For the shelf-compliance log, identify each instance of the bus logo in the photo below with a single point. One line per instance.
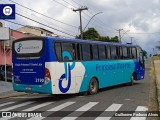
(67, 74)
(19, 47)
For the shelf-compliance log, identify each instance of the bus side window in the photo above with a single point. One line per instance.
(86, 52)
(113, 52)
(58, 51)
(125, 55)
(101, 51)
(129, 52)
(95, 52)
(68, 50)
(108, 51)
(79, 52)
(120, 53)
(134, 53)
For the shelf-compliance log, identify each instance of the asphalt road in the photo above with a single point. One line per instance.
(118, 98)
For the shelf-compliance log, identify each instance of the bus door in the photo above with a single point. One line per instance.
(142, 64)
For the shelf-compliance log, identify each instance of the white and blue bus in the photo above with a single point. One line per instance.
(63, 66)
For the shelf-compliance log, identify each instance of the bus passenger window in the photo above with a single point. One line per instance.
(125, 55)
(120, 53)
(102, 52)
(58, 51)
(79, 52)
(86, 52)
(113, 52)
(68, 52)
(129, 51)
(134, 53)
(108, 52)
(95, 52)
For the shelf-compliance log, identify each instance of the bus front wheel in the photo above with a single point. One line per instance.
(93, 86)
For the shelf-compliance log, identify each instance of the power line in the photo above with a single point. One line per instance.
(69, 3)
(45, 25)
(119, 30)
(98, 21)
(80, 10)
(145, 33)
(48, 22)
(43, 14)
(23, 25)
(77, 3)
(67, 7)
(62, 4)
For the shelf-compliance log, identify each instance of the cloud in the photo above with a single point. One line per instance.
(140, 16)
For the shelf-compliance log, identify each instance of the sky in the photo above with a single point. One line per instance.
(138, 18)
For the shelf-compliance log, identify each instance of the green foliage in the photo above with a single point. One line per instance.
(144, 52)
(115, 39)
(92, 34)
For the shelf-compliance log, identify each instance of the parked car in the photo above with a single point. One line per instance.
(8, 72)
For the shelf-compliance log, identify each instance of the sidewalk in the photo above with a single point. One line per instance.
(157, 75)
(6, 90)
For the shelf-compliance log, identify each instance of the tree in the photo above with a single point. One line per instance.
(91, 34)
(104, 38)
(114, 39)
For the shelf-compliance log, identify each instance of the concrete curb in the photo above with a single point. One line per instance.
(157, 73)
(12, 94)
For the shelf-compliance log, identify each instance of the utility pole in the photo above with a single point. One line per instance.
(131, 39)
(80, 10)
(119, 30)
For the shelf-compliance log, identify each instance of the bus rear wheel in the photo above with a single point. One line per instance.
(93, 86)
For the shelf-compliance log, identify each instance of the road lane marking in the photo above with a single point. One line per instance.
(87, 106)
(60, 107)
(16, 106)
(3, 104)
(66, 104)
(38, 106)
(113, 107)
(83, 109)
(141, 109)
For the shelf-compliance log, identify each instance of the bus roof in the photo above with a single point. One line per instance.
(91, 41)
(77, 41)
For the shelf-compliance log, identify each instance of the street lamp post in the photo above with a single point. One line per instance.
(91, 19)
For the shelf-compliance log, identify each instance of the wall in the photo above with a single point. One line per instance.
(16, 35)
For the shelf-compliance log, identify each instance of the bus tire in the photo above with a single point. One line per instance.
(93, 86)
(131, 83)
